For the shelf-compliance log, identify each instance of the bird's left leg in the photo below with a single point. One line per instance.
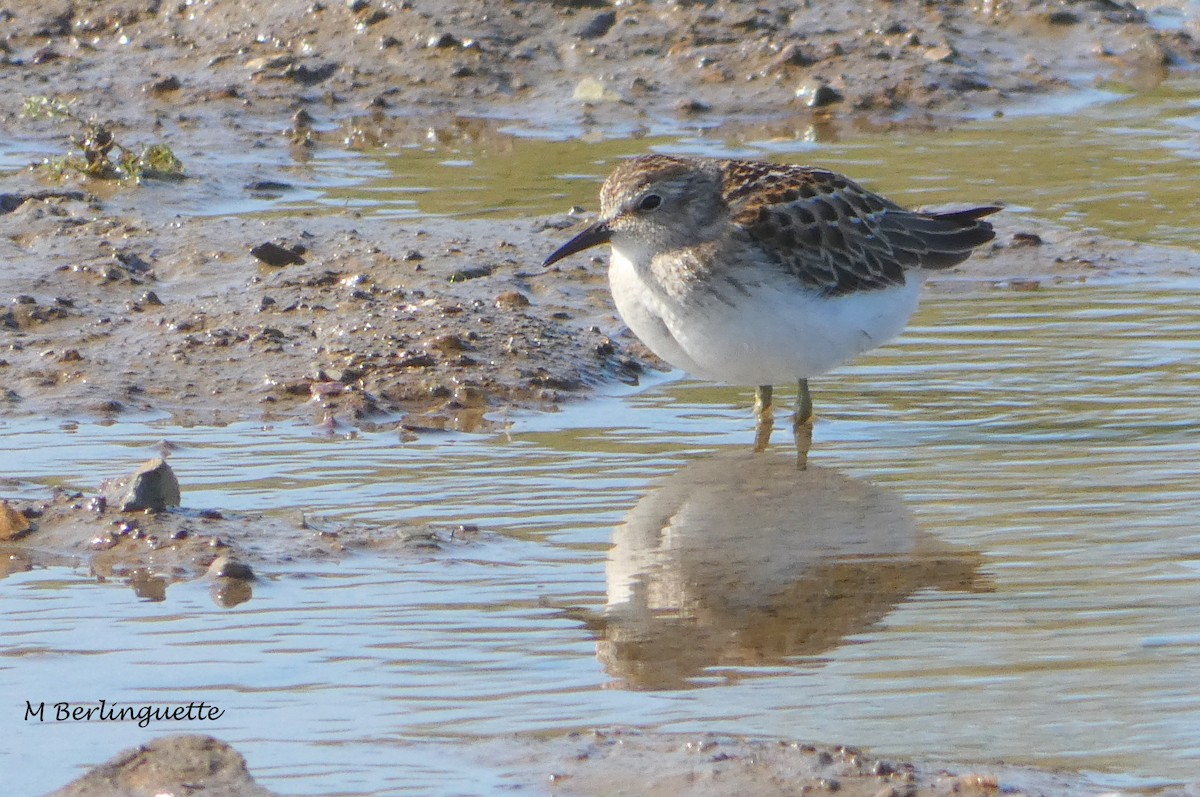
(802, 424)
(804, 410)
(765, 417)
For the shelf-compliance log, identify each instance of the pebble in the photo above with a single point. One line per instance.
(818, 95)
(12, 522)
(1062, 18)
(692, 106)
(471, 272)
(512, 300)
(225, 566)
(443, 40)
(447, 343)
(598, 25)
(163, 85)
(797, 55)
(275, 255)
(942, 54)
(592, 90)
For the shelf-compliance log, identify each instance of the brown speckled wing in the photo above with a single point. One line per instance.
(836, 237)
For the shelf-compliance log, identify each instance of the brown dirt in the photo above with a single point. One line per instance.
(119, 308)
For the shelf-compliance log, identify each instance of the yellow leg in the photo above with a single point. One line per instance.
(765, 415)
(762, 399)
(804, 410)
(802, 425)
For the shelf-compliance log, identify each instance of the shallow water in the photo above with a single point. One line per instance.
(995, 554)
(1124, 165)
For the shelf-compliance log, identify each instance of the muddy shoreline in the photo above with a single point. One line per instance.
(126, 300)
(119, 304)
(421, 327)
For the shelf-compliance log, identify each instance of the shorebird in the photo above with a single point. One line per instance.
(754, 273)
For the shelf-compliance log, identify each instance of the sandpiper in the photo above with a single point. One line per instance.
(755, 273)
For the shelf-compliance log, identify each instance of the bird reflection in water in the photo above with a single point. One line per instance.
(744, 561)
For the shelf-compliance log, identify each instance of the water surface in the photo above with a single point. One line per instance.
(994, 556)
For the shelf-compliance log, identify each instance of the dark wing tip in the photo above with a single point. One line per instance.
(949, 238)
(968, 215)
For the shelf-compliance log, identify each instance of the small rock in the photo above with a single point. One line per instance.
(692, 106)
(268, 187)
(302, 119)
(310, 75)
(447, 343)
(598, 25)
(819, 95)
(466, 396)
(443, 40)
(327, 388)
(512, 300)
(225, 566)
(797, 55)
(153, 486)
(471, 272)
(150, 297)
(106, 407)
(275, 255)
(832, 50)
(12, 522)
(163, 85)
(272, 62)
(592, 90)
(416, 360)
(45, 55)
(1020, 239)
(942, 54)
(375, 17)
(1062, 18)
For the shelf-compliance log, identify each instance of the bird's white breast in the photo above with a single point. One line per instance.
(772, 333)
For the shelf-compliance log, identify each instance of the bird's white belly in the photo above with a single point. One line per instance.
(766, 336)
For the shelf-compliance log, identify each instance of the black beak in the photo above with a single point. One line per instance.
(597, 234)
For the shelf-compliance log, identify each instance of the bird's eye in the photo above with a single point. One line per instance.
(650, 202)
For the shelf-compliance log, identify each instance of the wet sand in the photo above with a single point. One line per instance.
(120, 313)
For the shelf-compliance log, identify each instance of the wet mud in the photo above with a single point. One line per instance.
(427, 327)
(116, 306)
(614, 762)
